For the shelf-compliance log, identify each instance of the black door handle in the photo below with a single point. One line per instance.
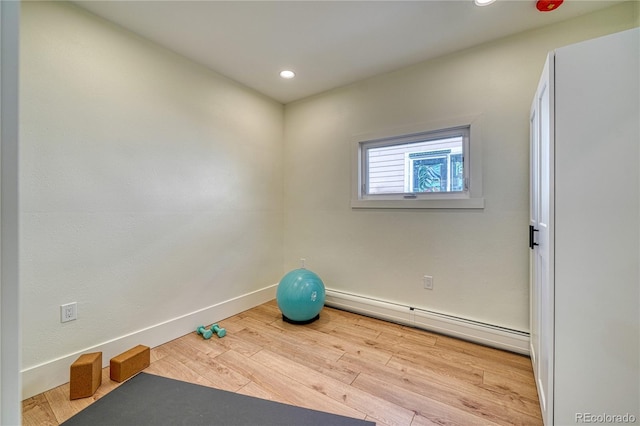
(532, 242)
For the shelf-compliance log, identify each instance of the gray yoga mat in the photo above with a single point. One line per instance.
(147, 399)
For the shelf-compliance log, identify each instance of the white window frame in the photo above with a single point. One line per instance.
(470, 198)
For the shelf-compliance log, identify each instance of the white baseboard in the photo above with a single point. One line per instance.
(478, 332)
(51, 374)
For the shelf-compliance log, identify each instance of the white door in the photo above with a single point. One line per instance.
(541, 240)
(534, 188)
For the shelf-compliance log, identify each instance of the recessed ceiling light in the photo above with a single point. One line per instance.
(483, 2)
(287, 74)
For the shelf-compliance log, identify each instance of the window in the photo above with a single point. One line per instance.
(429, 169)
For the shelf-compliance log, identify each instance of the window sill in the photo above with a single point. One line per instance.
(466, 203)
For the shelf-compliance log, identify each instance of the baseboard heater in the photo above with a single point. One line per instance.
(475, 331)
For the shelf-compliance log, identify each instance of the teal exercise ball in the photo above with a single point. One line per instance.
(300, 296)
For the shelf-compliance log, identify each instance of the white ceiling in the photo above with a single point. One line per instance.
(327, 43)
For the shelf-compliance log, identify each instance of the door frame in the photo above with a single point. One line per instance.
(10, 343)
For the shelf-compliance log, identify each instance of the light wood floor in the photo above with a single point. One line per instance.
(343, 363)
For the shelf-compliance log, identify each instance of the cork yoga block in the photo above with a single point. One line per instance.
(128, 363)
(85, 375)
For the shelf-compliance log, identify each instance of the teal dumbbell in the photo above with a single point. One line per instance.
(221, 332)
(205, 333)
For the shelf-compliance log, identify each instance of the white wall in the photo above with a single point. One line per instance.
(597, 276)
(478, 258)
(151, 188)
(10, 407)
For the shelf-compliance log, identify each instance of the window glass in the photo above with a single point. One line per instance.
(433, 163)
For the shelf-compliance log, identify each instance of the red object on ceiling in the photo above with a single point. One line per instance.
(548, 5)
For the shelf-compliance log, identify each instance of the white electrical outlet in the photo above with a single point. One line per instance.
(428, 282)
(68, 312)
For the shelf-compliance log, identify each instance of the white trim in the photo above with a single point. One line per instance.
(474, 331)
(452, 203)
(53, 373)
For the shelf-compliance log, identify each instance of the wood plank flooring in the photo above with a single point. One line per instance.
(343, 363)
